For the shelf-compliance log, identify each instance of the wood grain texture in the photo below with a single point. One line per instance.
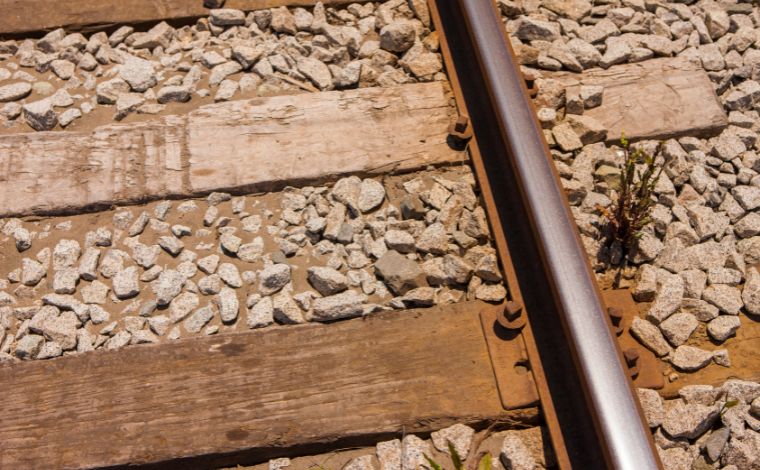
(234, 398)
(247, 145)
(656, 99)
(20, 16)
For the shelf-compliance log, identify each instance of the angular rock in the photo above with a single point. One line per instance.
(228, 305)
(125, 284)
(650, 336)
(727, 298)
(344, 305)
(195, 322)
(168, 285)
(273, 278)
(678, 327)
(651, 402)
(397, 36)
(399, 273)
(459, 435)
(327, 281)
(40, 115)
(723, 327)
(690, 359)
(689, 420)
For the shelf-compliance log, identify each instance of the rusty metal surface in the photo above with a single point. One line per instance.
(592, 412)
(649, 373)
(509, 359)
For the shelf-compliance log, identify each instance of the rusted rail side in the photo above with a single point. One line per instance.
(594, 416)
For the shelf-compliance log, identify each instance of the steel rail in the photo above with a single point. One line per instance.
(591, 394)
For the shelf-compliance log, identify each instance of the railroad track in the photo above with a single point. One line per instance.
(282, 229)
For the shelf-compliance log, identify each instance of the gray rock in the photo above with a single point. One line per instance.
(326, 281)
(279, 464)
(731, 277)
(743, 390)
(230, 275)
(413, 451)
(28, 346)
(182, 305)
(168, 286)
(246, 56)
(138, 73)
(419, 297)
(126, 284)
(32, 272)
(678, 327)
(371, 195)
(230, 243)
(40, 115)
(285, 310)
(689, 420)
(344, 305)
(650, 336)
(22, 238)
(711, 57)
(210, 285)
(566, 137)
(228, 305)
(119, 340)
(226, 91)
(723, 327)
(717, 22)
(171, 245)
(62, 329)
(700, 394)
(704, 311)
(515, 454)
(251, 252)
(747, 196)
(651, 402)
(399, 273)
(95, 293)
(220, 72)
(283, 21)
(209, 264)
(273, 278)
(751, 292)
(68, 116)
(65, 281)
(668, 298)
(66, 253)
(261, 314)
(227, 17)
(397, 36)
(456, 270)
(108, 92)
(363, 462)
(748, 226)
(715, 444)
(727, 298)
(434, 239)
(531, 29)
(618, 51)
(195, 322)
(389, 454)
(690, 359)
(490, 292)
(15, 91)
(399, 240)
(459, 435)
(174, 94)
(316, 71)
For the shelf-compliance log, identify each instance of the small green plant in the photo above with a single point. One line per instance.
(629, 214)
(456, 460)
(728, 405)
